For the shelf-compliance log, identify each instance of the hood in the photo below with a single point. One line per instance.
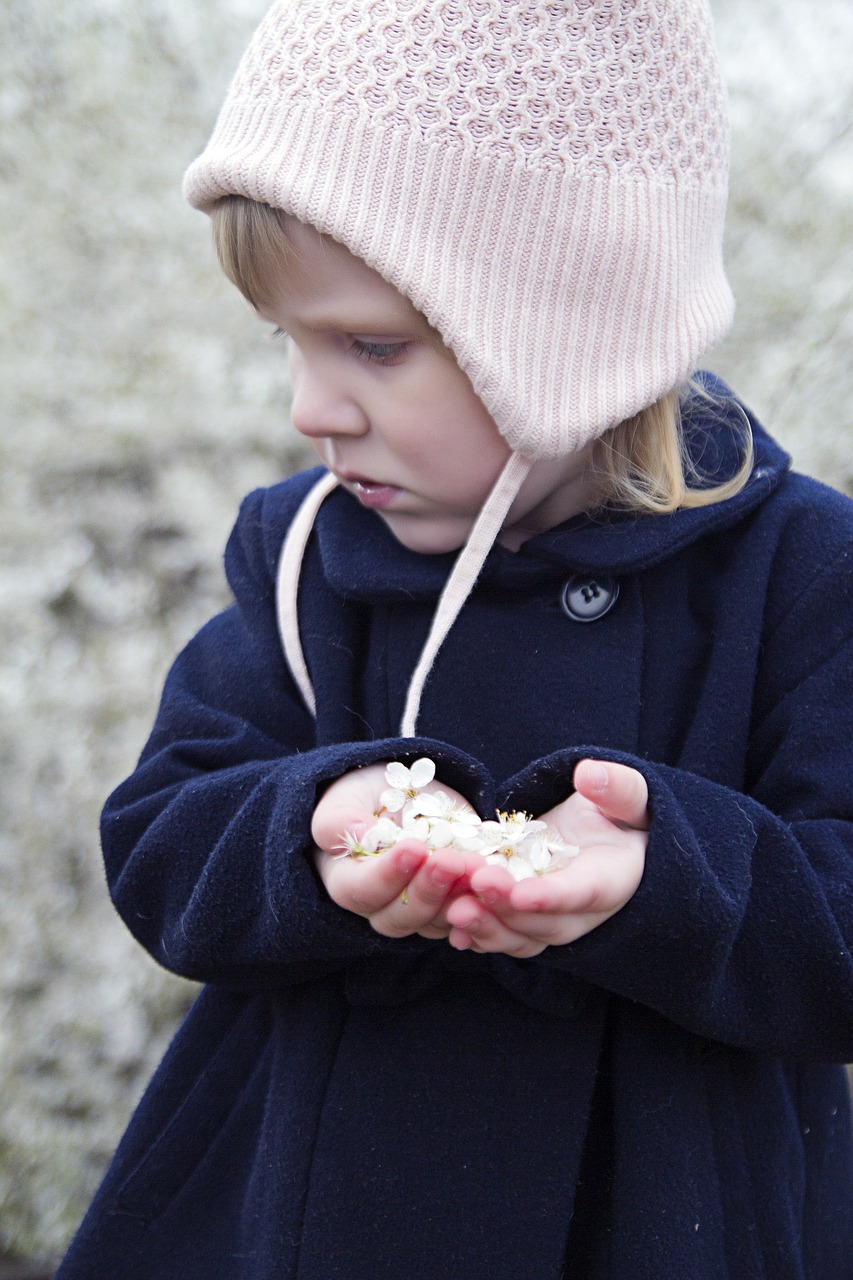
(363, 560)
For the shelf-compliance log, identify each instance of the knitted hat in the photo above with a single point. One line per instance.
(544, 179)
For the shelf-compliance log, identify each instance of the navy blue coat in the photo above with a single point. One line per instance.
(655, 1100)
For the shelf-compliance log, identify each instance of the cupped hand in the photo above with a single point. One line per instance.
(401, 892)
(607, 818)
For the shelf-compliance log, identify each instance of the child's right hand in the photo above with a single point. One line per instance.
(404, 891)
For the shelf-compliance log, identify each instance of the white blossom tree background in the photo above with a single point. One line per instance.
(141, 400)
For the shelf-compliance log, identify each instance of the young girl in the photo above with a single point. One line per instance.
(587, 588)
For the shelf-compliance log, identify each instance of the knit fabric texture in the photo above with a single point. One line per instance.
(546, 182)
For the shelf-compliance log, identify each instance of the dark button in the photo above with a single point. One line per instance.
(586, 599)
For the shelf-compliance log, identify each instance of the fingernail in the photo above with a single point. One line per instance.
(409, 862)
(440, 879)
(597, 775)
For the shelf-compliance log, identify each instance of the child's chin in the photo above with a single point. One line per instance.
(428, 537)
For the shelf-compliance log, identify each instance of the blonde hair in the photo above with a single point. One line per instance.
(644, 465)
(641, 466)
(252, 243)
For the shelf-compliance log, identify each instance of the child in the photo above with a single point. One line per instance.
(585, 587)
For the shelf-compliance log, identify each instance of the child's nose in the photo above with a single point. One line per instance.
(320, 408)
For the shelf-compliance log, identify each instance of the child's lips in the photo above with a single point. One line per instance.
(371, 493)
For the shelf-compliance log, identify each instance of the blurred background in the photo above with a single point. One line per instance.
(141, 399)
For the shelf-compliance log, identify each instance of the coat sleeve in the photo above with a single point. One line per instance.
(207, 844)
(742, 928)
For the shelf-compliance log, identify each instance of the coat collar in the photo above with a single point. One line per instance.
(363, 561)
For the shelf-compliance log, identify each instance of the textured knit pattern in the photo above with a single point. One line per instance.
(546, 182)
(544, 85)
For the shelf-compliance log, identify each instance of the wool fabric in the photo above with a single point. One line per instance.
(545, 180)
(654, 1101)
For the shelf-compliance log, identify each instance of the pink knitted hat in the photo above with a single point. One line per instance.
(544, 179)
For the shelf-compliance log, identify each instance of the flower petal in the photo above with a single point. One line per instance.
(421, 773)
(397, 775)
(385, 833)
(416, 829)
(393, 799)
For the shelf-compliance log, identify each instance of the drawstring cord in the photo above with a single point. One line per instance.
(463, 576)
(459, 585)
(287, 585)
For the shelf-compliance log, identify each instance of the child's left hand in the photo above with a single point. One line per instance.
(607, 817)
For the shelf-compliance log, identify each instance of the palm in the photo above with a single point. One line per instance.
(579, 821)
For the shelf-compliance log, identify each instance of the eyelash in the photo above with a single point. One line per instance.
(383, 353)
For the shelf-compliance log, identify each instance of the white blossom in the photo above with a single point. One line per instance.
(448, 824)
(379, 838)
(404, 783)
(524, 846)
(556, 852)
(509, 832)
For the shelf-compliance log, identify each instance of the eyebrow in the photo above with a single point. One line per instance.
(362, 323)
(373, 322)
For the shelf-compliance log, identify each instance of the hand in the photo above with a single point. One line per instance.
(401, 892)
(607, 817)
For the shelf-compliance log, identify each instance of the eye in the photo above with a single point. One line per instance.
(279, 333)
(386, 353)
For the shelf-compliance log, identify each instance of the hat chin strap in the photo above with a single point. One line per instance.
(287, 585)
(457, 589)
(463, 576)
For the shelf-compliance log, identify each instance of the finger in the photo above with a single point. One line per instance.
(367, 885)
(348, 804)
(492, 885)
(597, 884)
(434, 931)
(537, 908)
(426, 894)
(560, 906)
(339, 816)
(538, 914)
(621, 793)
(483, 931)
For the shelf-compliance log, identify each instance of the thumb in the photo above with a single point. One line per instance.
(348, 804)
(339, 814)
(619, 792)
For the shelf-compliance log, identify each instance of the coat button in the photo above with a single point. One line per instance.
(586, 599)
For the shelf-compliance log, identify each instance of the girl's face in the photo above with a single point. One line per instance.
(390, 412)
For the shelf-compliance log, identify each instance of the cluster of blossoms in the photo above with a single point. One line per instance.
(513, 840)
